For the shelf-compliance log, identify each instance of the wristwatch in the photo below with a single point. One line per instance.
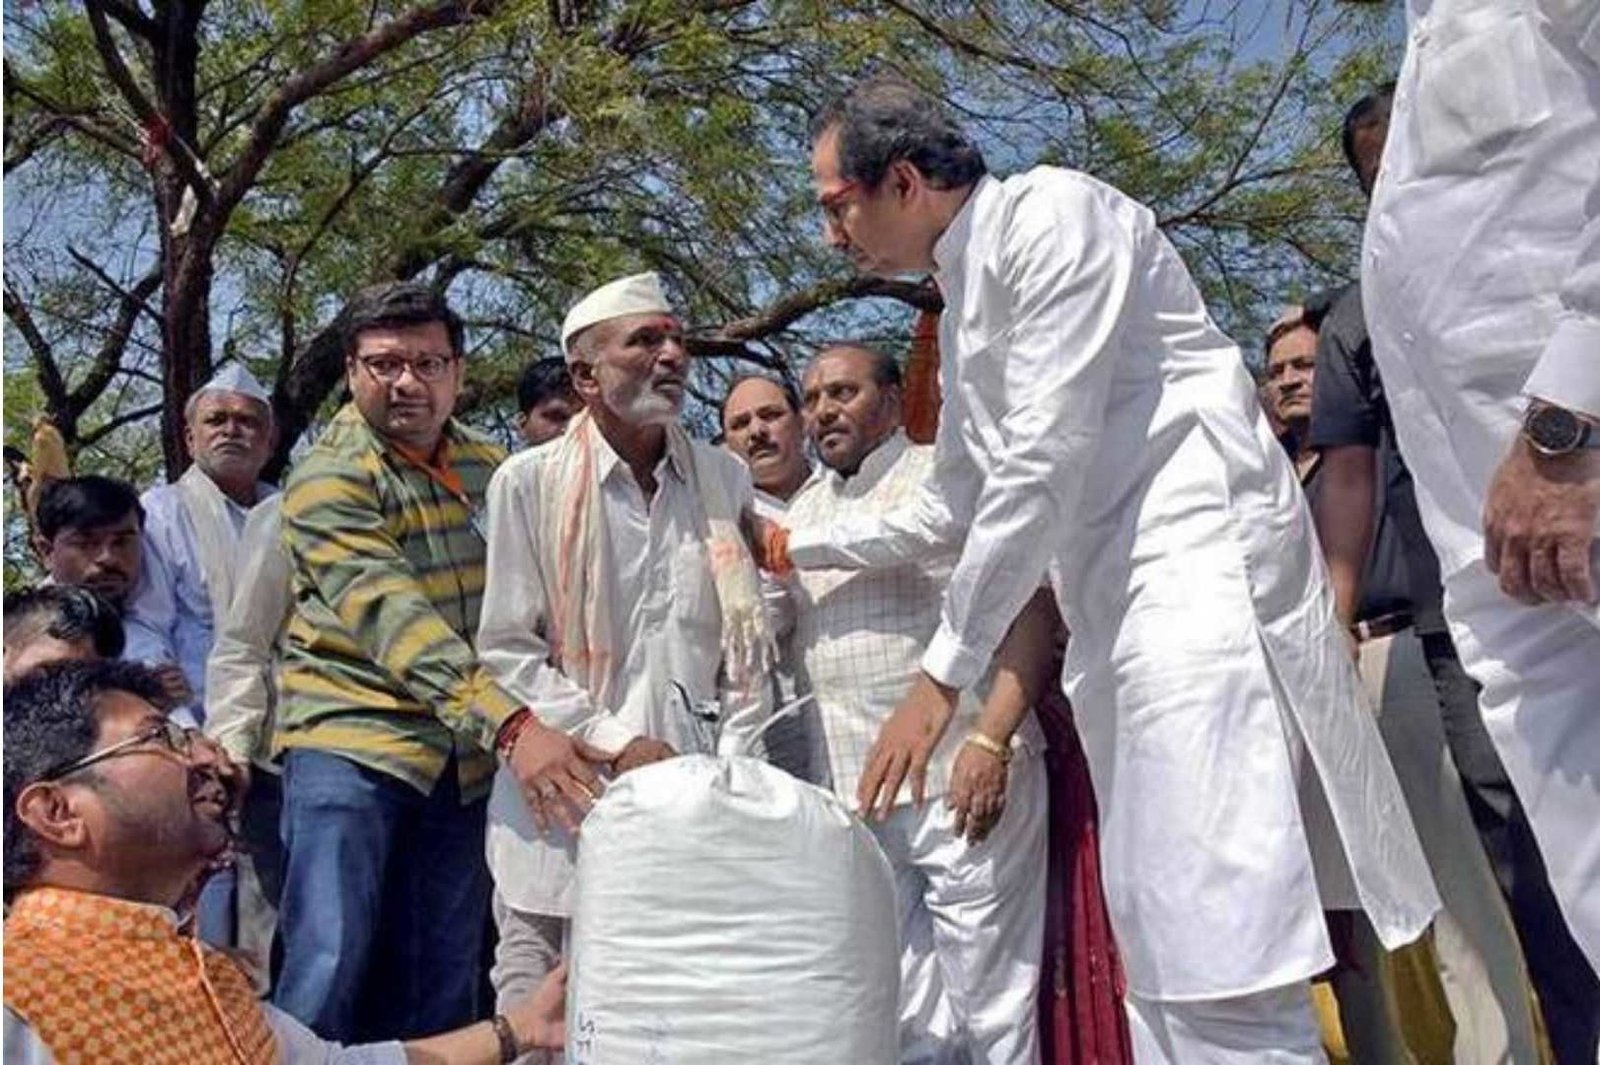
(1553, 431)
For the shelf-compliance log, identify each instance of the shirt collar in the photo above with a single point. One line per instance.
(877, 462)
(952, 242)
(608, 461)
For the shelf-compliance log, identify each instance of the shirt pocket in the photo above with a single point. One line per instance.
(1479, 83)
(694, 595)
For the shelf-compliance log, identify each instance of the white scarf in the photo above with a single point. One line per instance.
(216, 537)
(584, 640)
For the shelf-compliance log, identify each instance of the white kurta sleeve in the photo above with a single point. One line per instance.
(1069, 263)
(1568, 371)
(151, 618)
(239, 678)
(516, 614)
(935, 519)
(299, 1045)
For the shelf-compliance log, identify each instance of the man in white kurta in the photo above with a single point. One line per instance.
(641, 669)
(972, 910)
(1098, 426)
(1482, 271)
(192, 528)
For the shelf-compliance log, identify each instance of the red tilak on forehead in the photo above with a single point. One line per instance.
(661, 321)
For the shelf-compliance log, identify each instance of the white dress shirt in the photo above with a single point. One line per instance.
(1096, 422)
(1482, 282)
(170, 616)
(670, 631)
(241, 672)
(860, 633)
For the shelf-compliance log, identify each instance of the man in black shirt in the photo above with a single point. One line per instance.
(1351, 430)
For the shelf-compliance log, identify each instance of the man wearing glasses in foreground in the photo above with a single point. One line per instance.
(112, 813)
(388, 729)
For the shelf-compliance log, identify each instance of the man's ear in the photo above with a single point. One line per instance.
(50, 813)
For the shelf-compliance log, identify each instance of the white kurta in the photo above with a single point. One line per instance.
(1097, 422)
(669, 626)
(1482, 283)
(170, 617)
(240, 674)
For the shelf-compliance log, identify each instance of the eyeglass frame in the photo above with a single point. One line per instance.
(174, 737)
(403, 364)
(834, 204)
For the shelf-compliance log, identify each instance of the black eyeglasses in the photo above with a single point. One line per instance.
(389, 368)
(169, 734)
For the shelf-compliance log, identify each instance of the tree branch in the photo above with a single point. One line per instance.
(349, 57)
(100, 432)
(108, 359)
(150, 117)
(779, 316)
(50, 379)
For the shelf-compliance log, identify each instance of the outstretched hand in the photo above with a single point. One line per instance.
(905, 744)
(557, 775)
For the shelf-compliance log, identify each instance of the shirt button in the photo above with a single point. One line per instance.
(1409, 337)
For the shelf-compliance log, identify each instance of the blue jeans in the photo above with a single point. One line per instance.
(384, 897)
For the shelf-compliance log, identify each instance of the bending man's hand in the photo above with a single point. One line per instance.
(977, 793)
(539, 1021)
(641, 750)
(905, 743)
(557, 775)
(1539, 525)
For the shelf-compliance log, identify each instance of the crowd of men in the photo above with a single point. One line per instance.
(1331, 641)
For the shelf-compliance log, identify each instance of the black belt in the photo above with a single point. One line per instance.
(1383, 625)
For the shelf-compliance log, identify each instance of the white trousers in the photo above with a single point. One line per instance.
(971, 927)
(1480, 959)
(1540, 671)
(1272, 1027)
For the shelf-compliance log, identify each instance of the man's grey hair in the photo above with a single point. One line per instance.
(884, 119)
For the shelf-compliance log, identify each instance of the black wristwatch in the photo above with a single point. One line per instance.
(1554, 431)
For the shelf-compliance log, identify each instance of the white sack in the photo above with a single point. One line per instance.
(727, 912)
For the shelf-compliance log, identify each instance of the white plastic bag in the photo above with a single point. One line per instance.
(727, 912)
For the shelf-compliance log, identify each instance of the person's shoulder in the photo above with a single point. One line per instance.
(1057, 203)
(474, 445)
(160, 501)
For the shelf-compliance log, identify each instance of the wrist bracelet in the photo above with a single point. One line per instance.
(506, 1037)
(506, 738)
(986, 743)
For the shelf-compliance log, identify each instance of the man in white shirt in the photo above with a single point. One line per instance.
(190, 559)
(624, 606)
(1097, 426)
(242, 682)
(972, 905)
(192, 527)
(761, 424)
(1482, 288)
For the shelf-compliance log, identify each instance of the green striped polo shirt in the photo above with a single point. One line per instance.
(378, 663)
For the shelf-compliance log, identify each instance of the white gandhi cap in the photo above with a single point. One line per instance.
(639, 294)
(235, 378)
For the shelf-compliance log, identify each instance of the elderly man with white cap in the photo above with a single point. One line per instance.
(625, 605)
(192, 526)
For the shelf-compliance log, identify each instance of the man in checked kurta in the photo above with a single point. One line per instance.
(1099, 429)
(623, 600)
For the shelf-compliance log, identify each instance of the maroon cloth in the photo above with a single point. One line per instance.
(1081, 1020)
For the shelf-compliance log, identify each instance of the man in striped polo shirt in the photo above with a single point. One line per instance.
(388, 727)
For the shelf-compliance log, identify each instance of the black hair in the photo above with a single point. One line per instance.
(885, 370)
(884, 119)
(542, 379)
(51, 721)
(65, 613)
(87, 502)
(399, 303)
(790, 396)
(1373, 107)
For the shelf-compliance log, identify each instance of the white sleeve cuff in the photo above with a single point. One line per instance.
(951, 663)
(1568, 373)
(609, 734)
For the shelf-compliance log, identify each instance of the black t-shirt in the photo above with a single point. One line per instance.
(1348, 408)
